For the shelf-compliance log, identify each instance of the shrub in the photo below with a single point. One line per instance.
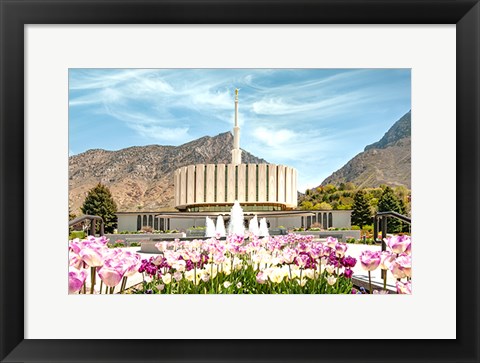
(77, 234)
(351, 240)
(134, 244)
(355, 228)
(146, 229)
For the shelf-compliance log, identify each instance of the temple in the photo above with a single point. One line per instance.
(215, 187)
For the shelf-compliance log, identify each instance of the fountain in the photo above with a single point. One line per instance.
(253, 226)
(263, 228)
(236, 225)
(220, 226)
(210, 228)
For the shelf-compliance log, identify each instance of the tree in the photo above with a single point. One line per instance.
(389, 202)
(403, 210)
(361, 214)
(99, 202)
(323, 206)
(306, 205)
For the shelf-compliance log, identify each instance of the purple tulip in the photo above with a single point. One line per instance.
(370, 260)
(349, 261)
(348, 273)
(76, 278)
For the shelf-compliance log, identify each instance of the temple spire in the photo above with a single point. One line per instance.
(236, 152)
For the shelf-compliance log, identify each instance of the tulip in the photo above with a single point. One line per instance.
(276, 275)
(331, 280)
(330, 269)
(76, 279)
(348, 273)
(178, 276)
(331, 242)
(302, 282)
(75, 260)
(397, 270)
(405, 264)
(349, 261)
(167, 278)
(111, 275)
(386, 259)
(370, 260)
(340, 249)
(398, 244)
(404, 288)
(227, 284)
(93, 257)
(261, 278)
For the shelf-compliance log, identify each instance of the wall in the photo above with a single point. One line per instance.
(247, 183)
(340, 219)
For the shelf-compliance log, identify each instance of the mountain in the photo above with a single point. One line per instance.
(387, 161)
(141, 177)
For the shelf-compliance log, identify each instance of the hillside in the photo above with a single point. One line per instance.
(387, 161)
(141, 177)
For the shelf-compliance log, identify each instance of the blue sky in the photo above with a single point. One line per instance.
(312, 119)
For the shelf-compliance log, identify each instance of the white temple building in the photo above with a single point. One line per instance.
(215, 187)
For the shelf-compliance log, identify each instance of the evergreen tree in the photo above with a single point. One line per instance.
(389, 202)
(361, 214)
(99, 202)
(403, 211)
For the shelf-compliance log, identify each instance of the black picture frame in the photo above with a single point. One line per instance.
(15, 14)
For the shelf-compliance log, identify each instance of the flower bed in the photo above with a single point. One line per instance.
(291, 264)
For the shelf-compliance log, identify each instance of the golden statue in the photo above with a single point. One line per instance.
(236, 91)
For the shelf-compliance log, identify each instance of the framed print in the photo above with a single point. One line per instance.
(436, 41)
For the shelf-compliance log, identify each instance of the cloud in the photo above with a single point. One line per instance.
(161, 134)
(274, 138)
(323, 107)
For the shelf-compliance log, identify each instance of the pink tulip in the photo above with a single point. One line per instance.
(261, 278)
(288, 255)
(340, 249)
(132, 265)
(397, 270)
(398, 244)
(370, 260)
(402, 266)
(331, 242)
(404, 288)
(93, 257)
(76, 278)
(111, 275)
(75, 260)
(386, 259)
(75, 245)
